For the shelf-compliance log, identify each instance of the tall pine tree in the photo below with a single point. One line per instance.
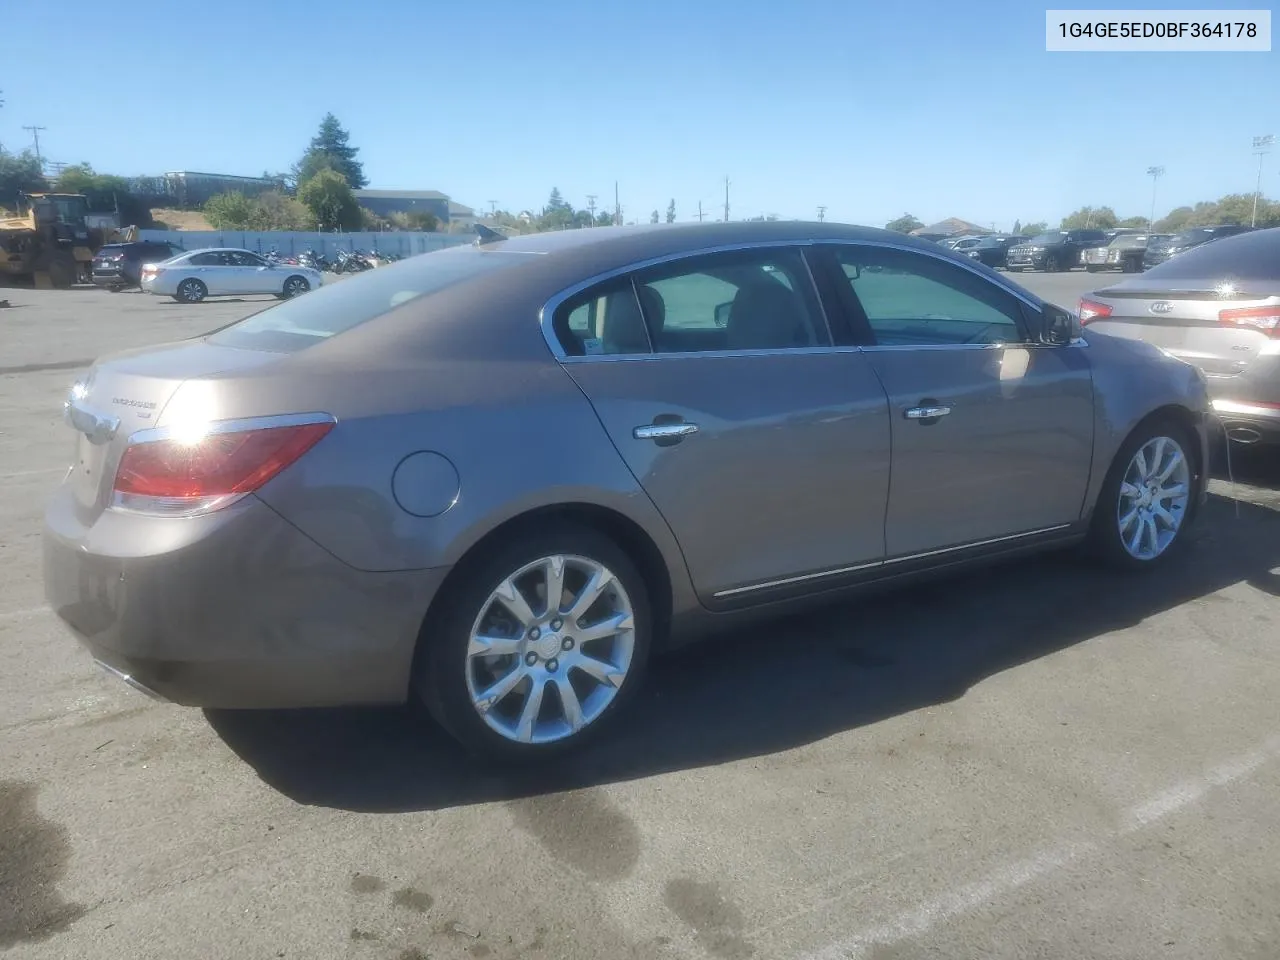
(330, 149)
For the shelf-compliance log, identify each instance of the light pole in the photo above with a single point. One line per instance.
(1155, 173)
(1261, 146)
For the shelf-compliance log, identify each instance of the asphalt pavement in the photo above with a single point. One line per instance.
(1039, 760)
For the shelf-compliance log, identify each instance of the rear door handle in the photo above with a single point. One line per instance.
(664, 431)
(927, 413)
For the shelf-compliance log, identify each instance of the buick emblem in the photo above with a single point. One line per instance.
(1161, 306)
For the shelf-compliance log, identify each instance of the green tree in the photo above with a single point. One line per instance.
(604, 219)
(1132, 222)
(277, 211)
(1017, 227)
(1031, 229)
(1175, 220)
(330, 149)
(653, 217)
(104, 193)
(422, 221)
(671, 211)
(555, 202)
(904, 224)
(19, 173)
(229, 211)
(331, 201)
(1097, 218)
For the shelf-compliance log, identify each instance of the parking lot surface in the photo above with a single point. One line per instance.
(1042, 760)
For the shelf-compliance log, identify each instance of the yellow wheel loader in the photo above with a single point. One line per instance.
(49, 242)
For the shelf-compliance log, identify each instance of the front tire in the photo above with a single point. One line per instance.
(1051, 264)
(1148, 497)
(191, 290)
(295, 286)
(514, 675)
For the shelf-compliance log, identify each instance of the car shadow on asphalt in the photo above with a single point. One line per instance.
(778, 686)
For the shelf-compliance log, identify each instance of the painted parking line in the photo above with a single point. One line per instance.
(962, 900)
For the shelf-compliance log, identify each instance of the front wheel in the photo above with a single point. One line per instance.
(1051, 264)
(295, 286)
(1147, 498)
(540, 645)
(191, 290)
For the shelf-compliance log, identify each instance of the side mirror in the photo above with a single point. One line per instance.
(722, 314)
(1059, 327)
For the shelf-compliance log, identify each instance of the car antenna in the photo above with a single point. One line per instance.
(485, 235)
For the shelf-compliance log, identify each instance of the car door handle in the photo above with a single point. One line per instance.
(664, 431)
(927, 413)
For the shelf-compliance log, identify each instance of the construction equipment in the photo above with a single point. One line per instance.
(50, 242)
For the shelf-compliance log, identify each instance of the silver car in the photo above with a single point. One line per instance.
(226, 272)
(499, 478)
(1216, 306)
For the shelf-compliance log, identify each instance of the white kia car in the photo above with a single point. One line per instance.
(193, 276)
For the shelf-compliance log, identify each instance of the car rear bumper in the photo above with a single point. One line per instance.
(111, 279)
(237, 609)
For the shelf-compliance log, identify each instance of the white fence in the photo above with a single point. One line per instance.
(291, 244)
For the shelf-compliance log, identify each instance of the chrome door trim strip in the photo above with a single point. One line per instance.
(805, 577)
(802, 578)
(546, 315)
(978, 543)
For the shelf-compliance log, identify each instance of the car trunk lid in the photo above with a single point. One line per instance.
(124, 393)
(1188, 323)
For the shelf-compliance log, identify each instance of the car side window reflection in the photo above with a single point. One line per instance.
(912, 299)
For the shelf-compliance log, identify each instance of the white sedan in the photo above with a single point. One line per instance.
(191, 277)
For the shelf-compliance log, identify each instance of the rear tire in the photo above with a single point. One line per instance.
(1051, 264)
(191, 290)
(454, 681)
(1125, 493)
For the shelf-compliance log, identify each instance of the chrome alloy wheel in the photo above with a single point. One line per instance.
(550, 649)
(1154, 493)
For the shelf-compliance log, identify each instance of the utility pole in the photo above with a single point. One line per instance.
(35, 133)
(493, 207)
(822, 214)
(617, 207)
(700, 213)
(1155, 173)
(1261, 146)
(726, 199)
(591, 207)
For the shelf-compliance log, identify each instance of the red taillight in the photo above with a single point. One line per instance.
(1091, 310)
(1266, 319)
(174, 474)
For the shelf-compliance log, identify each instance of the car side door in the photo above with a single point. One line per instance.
(992, 430)
(253, 274)
(764, 448)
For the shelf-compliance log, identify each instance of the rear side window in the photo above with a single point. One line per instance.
(335, 308)
(1251, 257)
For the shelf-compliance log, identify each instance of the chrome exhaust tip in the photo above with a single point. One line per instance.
(1243, 435)
(125, 678)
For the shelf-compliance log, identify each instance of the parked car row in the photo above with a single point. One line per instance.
(1123, 248)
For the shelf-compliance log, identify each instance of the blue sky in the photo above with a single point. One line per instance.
(869, 108)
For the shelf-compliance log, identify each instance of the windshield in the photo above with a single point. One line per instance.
(340, 305)
(1057, 236)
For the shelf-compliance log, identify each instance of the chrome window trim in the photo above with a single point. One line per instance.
(155, 434)
(546, 315)
(785, 581)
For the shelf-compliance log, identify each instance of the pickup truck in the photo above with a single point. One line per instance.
(1123, 253)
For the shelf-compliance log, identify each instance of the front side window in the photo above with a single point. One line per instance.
(910, 299)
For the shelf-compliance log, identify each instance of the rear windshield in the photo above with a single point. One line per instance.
(340, 305)
(1250, 257)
